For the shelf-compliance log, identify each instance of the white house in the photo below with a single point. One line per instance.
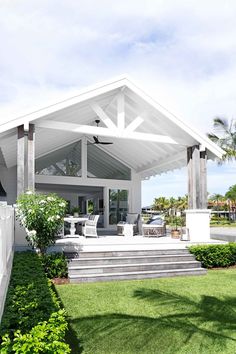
(61, 148)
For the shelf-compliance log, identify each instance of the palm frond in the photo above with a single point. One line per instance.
(221, 123)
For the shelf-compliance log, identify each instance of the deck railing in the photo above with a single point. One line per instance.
(6, 250)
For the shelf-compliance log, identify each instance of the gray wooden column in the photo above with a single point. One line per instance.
(20, 160)
(203, 174)
(31, 158)
(197, 186)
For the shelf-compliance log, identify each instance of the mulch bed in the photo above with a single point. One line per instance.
(220, 268)
(59, 281)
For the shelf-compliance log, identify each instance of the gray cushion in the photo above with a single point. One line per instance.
(132, 218)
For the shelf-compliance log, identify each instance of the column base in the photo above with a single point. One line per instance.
(198, 224)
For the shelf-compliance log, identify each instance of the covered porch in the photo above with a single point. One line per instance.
(98, 146)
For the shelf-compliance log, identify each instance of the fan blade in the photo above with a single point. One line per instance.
(95, 138)
(105, 143)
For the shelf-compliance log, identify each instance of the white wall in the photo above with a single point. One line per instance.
(6, 250)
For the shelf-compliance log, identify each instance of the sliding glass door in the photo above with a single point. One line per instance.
(118, 205)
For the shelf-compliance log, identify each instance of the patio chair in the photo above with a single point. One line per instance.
(89, 228)
(156, 227)
(131, 219)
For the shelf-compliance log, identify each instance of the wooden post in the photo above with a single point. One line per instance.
(196, 177)
(190, 179)
(197, 184)
(20, 160)
(203, 174)
(31, 158)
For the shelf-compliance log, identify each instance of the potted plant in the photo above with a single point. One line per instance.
(176, 223)
(75, 211)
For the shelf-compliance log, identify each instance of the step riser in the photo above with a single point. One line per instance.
(104, 261)
(136, 268)
(137, 276)
(126, 253)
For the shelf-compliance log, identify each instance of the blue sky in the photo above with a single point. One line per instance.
(182, 52)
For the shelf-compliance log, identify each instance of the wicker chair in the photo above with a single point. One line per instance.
(155, 227)
(89, 228)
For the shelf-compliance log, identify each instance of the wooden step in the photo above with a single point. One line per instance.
(131, 259)
(137, 275)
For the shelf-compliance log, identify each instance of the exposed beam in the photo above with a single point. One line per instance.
(103, 116)
(115, 133)
(135, 124)
(166, 160)
(121, 111)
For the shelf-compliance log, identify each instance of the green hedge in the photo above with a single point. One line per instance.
(215, 255)
(31, 305)
(55, 265)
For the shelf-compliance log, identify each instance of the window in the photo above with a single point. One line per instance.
(63, 162)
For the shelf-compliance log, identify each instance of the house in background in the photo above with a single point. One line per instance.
(95, 148)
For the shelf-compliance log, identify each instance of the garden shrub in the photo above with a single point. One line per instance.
(47, 337)
(30, 303)
(55, 265)
(42, 217)
(215, 255)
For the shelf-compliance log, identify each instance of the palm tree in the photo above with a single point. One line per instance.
(161, 204)
(216, 199)
(231, 195)
(225, 137)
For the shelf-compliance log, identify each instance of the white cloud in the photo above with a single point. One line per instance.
(182, 52)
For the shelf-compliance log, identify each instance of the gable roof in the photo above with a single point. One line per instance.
(145, 157)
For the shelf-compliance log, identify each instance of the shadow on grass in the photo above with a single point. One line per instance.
(220, 312)
(71, 336)
(179, 324)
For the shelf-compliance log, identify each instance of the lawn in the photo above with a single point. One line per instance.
(162, 316)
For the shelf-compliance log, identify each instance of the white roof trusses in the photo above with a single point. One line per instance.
(146, 136)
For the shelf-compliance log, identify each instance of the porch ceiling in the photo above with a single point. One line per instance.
(155, 142)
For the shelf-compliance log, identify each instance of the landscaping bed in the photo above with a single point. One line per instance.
(215, 256)
(33, 320)
(179, 315)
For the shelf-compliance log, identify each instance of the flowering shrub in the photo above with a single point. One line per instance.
(42, 217)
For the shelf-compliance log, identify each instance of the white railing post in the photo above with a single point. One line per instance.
(3, 239)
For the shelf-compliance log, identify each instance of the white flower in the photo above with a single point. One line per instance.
(42, 201)
(62, 204)
(51, 218)
(57, 217)
(29, 192)
(23, 221)
(32, 233)
(50, 199)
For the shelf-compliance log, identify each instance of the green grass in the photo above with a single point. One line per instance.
(162, 316)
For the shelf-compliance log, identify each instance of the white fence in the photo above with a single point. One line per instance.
(6, 250)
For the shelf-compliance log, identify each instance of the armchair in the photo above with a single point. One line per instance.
(89, 228)
(131, 219)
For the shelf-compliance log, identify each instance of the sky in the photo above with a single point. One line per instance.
(183, 53)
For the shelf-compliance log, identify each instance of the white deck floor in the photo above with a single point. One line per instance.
(110, 242)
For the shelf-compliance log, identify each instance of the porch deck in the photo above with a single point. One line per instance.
(109, 241)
